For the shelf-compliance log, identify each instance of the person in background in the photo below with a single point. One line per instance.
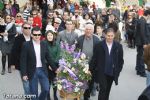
(68, 35)
(27, 10)
(37, 21)
(18, 22)
(99, 31)
(54, 50)
(130, 27)
(30, 20)
(2, 32)
(141, 43)
(55, 26)
(16, 6)
(147, 62)
(7, 43)
(7, 9)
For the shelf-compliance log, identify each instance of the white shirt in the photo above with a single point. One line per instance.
(37, 54)
(109, 46)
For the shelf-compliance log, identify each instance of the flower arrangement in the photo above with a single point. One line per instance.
(74, 70)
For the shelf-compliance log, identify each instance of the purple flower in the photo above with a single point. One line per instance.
(77, 55)
(62, 63)
(62, 45)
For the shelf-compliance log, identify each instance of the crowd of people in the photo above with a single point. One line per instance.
(31, 39)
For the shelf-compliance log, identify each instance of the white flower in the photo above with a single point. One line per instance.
(76, 89)
(65, 71)
(83, 56)
(69, 65)
(59, 86)
(87, 66)
(73, 69)
(86, 70)
(79, 61)
(75, 60)
(79, 83)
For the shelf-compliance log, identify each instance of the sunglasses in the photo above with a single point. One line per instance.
(27, 27)
(36, 34)
(56, 22)
(8, 18)
(18, 16)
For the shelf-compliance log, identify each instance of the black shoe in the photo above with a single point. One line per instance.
(143, 75)
(3, 72)
(93, 93)
(85, 98)
(9, 70)
(138, 73)
(55, 98)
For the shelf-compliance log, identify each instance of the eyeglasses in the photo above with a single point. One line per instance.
(34, 14)
(27, 27)
(36, 34)
(8, 18)
(56, 22)
(18, 16)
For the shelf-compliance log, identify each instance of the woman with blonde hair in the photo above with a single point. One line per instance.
(18, 22)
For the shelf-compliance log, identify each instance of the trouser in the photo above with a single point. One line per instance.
(89, 90)
(26, 86)
(54, 92)
(4, 61)
(105, 88)
(148, 78)
(140, 60)
(43, 80)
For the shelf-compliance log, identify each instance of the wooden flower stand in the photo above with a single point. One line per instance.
(66, 96)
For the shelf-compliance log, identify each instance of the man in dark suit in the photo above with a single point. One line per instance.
(107, 63)
(86, 43)
(16, 51)
(34, 56)
(141, 42)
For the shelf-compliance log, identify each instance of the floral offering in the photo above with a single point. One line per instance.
(74, 70)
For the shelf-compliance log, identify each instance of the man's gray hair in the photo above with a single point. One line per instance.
(91, 25)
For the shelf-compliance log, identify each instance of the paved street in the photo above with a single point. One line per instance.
(129, 88)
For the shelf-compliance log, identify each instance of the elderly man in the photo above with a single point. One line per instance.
(86, 43)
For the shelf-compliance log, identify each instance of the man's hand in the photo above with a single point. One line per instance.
(57, 71)
(50, 68)
(13, 67)
(144, 46)
(25, 78)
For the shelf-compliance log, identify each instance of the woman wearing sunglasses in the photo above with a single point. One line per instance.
(7, 42)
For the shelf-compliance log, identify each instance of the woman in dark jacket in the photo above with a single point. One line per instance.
(54, 50)
(130, 30)
(8, 38)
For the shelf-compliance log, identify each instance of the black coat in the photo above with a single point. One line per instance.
(140, 34)
(16, 51)
(28, 59)
(145, 94)
(97, 65)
